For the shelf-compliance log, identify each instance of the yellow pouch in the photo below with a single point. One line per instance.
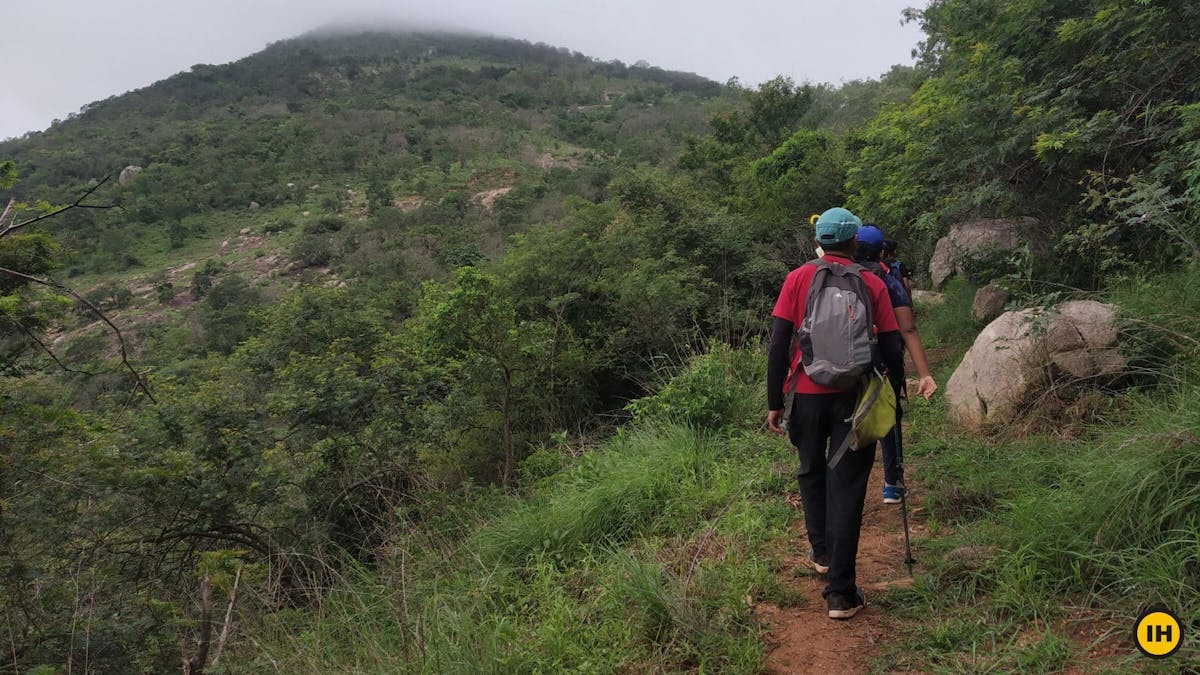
(875, 412)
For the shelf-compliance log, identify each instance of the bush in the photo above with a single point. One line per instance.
(165, 292)
(325, 224)
(106, 297)
(227, 316)
(723, 388)
(313, 251)
(278, 226)
(202, 280)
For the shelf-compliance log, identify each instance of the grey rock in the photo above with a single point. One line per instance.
(1021, 352)
(128, 173)
(989, 303)
(928, 298)
(978, 236)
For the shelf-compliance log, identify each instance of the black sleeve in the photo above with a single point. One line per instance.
(891, 350)
(777, 362)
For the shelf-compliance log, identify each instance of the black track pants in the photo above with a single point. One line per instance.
(833, 499)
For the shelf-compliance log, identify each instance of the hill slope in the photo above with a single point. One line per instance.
(398, 118)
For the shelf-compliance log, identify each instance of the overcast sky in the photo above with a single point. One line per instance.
(62, 54)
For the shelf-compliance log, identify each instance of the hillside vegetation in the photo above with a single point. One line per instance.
(454, 349)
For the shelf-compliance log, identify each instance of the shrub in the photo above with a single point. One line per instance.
(325, 224)
(723, 388)
(313, 251)
(165, 292)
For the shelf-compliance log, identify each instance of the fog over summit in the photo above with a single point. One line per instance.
(127, 44)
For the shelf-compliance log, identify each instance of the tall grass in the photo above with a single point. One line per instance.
(949, 325)
(1037, 528)
(638, 556)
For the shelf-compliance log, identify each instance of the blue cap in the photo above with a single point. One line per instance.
(870, 239)
(836, 225)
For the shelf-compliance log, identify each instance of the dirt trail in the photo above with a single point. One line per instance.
(803, 639)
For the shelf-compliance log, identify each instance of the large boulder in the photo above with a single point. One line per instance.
(1021, 352)
(989, 303)
(978, 237)
(128, 173)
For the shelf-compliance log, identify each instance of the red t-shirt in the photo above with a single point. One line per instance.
(790, 307)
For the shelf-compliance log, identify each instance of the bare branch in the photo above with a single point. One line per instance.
(7, 210)
(228, 619)
(77, 204)
(195, 665)
(32, 336)
(140, 382)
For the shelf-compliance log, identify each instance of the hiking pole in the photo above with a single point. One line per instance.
(908, 558)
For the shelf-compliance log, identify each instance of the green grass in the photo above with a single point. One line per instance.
(639, 556)
(1034, 528)
(949, 325)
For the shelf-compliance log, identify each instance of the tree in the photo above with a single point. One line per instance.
(507, 379)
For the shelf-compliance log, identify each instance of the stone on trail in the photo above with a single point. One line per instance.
(928, 298)
(1020, 353)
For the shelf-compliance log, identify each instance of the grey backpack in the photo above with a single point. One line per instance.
(836, 338)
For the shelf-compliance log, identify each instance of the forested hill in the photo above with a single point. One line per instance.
(331, 103)
(427, 116)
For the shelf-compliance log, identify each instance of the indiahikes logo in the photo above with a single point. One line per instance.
(1158, 633)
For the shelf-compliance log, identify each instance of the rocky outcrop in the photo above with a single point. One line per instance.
(1020, 353)
(989, 303)
(128, 173)
(977, 237)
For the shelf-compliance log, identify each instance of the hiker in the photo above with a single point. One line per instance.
(891, 251)
(819, 417)
(868, 253)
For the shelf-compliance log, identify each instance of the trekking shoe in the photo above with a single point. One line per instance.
(819, 563)
(892, 494)
(841, 607)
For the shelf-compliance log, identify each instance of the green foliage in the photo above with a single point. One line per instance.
(164, 292)
(1071, 112)
(26, 308)
(511, 381)
(469, 598)
(329, 443)
(31, 254)
(1034, 526)
(105, 297)
(313, 250)
(8, 174)
(204, 278)
(227, 313)
(718, 389)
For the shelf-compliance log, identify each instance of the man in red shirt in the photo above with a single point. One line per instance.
(833, 498)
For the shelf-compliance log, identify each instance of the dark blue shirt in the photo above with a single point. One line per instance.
(895, 287)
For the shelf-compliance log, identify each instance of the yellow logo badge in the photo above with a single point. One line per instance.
(1158, 633)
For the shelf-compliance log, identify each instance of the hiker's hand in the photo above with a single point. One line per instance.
(927, 387)
(773, 417)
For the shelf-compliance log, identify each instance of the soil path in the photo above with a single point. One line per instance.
(803, 639)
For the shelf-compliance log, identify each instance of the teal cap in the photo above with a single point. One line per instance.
(836, 225)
